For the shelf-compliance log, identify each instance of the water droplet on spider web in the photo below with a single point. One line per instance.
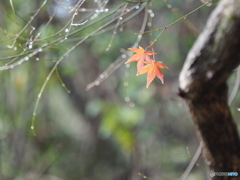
(126, 87)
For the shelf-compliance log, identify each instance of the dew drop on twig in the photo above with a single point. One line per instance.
(132, 104)
(127, 99)
(97, 83)
(101, 76)
(137, 7)
(124, 56)
(152, 15)
(169, 6)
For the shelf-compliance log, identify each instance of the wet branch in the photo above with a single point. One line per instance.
(202, 84)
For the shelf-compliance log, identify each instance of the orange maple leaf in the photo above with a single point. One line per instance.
(141, 56)
(153, 70)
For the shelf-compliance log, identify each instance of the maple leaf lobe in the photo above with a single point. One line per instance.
(141, 56)
(152, 71)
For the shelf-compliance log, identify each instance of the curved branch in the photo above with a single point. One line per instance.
(202, 84)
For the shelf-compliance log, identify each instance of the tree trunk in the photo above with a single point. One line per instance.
(202, 84)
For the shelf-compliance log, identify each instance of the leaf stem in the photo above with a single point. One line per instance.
(158, 36)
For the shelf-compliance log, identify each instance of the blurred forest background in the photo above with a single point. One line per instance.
(116, 129)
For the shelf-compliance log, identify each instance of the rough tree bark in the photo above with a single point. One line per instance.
(202, 84)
